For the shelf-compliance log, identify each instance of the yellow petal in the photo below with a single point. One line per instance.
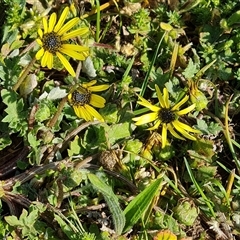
(97, 101)
(98, 88)
(87, 115)
(73, 9)
(52, 22)
(78, 111)
(45, 27)
(39, 54)
(160, 97)
(66, 64)
(172, 131)
(40, 33)
(186, 127)
(44, 59)
(94, 113)
(182, 131)
(142, 99)
(74, 33)
(70, 98)
(61, 19)
(178, 105)
(89, 84)
(148, 105)
(50, 61)
(72, 54)
(164, 135)
(39, 41)
(166, 98)
(68, 26)
(74, 47)
(81, 112)
(155, 126)
(146, 118)
(186, 110)
(166, 26)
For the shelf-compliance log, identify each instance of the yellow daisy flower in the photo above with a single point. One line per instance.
(82, 99)
(53, 41)
(167, 116)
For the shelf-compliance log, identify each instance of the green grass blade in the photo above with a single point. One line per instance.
(207, 201)
(137, 207)
(228, 137)
(66, 228)
(145, 82)
(112, 201)
(126, 73)
(235, 143)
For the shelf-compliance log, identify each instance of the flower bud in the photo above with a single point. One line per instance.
(186, 212)
(196, 96)
(199, 99)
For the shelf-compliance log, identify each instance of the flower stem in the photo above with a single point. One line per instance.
(98, 21)
(24, 75)
(54, 119)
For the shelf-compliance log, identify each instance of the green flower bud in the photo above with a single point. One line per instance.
(197, 97)
(186, 212)
(165, 153)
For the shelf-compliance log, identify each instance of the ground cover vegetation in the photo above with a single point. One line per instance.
(119, 119)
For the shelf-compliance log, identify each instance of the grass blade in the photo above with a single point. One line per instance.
(207, 201)
(145, 82)
(137, 207)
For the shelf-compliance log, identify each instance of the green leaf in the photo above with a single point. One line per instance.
(23, 216)
(74, 147)
(95, 137)
(208, 128)
(57, 93)
(43, 113)
(4, 142)
(16, 44)
(13, 221)
(204, 148)
(32, 139)
(34, 143)
(134, 146)
(8, 97)
(117, 131)
(110, 113)
(112, 201)
(190, 70)
(32, 217)
(137, 207)
(16, 114)
(234, 19)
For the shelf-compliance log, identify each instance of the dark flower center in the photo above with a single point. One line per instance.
(166, 115)
(51, 42)
(81, 98)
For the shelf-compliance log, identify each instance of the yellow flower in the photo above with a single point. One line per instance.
(167, 116)
(82, 99)
(53, 41)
